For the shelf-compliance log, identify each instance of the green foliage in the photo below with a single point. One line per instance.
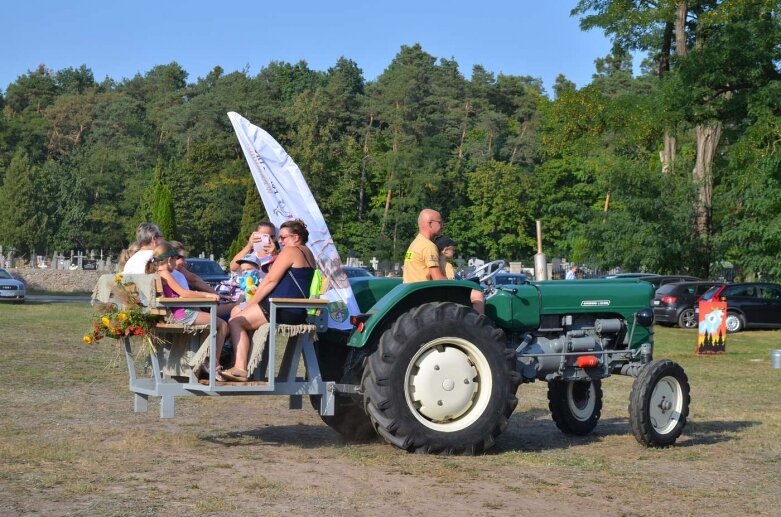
(492, 152)
(23, 207)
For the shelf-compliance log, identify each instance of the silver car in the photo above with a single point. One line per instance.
(10, 288)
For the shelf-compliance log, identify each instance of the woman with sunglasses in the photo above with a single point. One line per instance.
(289, 277)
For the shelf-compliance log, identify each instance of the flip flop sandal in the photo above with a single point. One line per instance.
(234, 375)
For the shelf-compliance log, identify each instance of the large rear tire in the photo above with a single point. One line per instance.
(441, 381)
(575, 406)
(659, 403)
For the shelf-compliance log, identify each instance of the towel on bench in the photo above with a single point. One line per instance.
(257, 344)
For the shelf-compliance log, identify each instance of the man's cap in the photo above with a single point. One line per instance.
(443, 241)
(249, 258)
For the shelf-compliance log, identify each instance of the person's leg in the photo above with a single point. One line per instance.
(203, 318)
(478, 301)
(224, 310)
(248, 319)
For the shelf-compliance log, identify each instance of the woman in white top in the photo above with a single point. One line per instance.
(148, 235)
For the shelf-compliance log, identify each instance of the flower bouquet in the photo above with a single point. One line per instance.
(129, 319)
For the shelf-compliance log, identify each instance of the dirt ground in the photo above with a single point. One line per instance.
(70, 444)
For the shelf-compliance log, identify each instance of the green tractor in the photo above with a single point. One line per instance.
(431, 375)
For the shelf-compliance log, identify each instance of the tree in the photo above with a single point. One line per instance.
(23, 212)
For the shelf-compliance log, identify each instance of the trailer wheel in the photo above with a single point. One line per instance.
(441, 381)
(576, 405)
(659, 404)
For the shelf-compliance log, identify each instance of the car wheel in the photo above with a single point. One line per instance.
(688, 319)
(735, 322)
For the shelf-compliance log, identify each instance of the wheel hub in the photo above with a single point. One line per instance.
(443, 383)
(666, 404)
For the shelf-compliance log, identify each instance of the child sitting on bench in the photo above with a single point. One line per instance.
(175, 286)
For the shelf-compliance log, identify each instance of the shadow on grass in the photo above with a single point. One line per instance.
(534, 431)
(300, 435)
(528, 431)
(708, 433)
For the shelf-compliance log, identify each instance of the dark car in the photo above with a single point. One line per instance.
(660, 280)
(208, 270)
(510, 279)
(676, 303)
(357, 272)
(749, 305)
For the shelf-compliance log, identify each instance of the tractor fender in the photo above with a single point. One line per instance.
(404, 297)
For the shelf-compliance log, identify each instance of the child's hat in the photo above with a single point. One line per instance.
(249, 258)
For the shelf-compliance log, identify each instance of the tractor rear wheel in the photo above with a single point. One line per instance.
(659, 403)
(576, 405)
(441, 381)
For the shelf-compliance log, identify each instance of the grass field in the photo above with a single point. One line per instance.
(71, 444)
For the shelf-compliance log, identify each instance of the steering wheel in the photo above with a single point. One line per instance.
(487, 271)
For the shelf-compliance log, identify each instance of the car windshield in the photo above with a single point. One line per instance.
(4, 274)
(710, 292)
(206, 268)
(667, 289)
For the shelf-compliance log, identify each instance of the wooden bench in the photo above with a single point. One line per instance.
(173, 368)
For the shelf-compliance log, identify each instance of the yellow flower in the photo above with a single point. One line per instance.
(88, 339)
(105, 321)
(122, 316)
(118, 278)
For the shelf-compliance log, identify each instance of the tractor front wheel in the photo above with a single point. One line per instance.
(575, 406)
(659, 403)
(441, 381)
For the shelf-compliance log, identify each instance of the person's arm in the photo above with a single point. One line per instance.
(243, 251)
(249, 248)
(436, 273)
(181, 291)
(278, 269)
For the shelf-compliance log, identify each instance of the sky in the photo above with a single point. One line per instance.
(119, 39)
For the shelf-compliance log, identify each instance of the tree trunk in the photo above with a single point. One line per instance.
(667, 155)
(362, 187)
(680, 28)
(708, 136)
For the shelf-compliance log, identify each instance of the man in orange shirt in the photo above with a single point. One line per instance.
(421, 262)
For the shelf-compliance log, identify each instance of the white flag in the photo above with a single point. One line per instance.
(286, 196)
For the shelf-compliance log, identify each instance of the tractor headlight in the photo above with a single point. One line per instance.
(645, 317)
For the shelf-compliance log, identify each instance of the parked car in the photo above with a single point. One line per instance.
(749, 305)
(510, 279)
(660, 280)
(357, 272)
(11, 288)
(676, 303)
(208, 270)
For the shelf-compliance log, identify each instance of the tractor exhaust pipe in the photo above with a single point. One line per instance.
(540, 261)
